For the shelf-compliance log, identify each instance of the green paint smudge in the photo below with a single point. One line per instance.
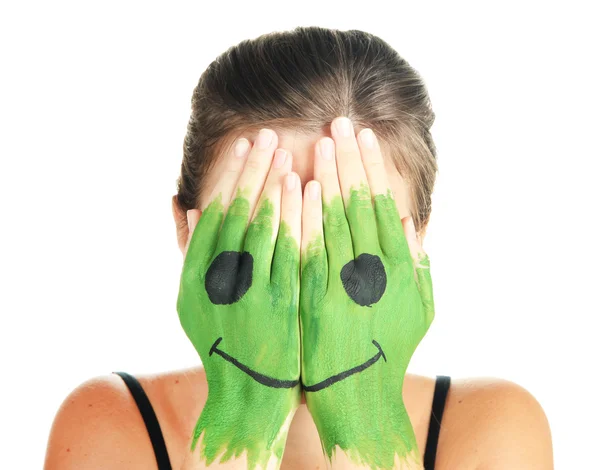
(261, 331)
(364, 414)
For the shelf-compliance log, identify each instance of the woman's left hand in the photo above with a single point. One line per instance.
(366, 301)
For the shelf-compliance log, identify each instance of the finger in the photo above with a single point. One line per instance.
(262, 231)
(392, 239)
(232, 170)
(421, 266)
(291, 208)
(425, 288)
(204, 236)
(355, 188)
(285, 270)
(246, 193)
(338, 240)
(414, 245)
(313, 258)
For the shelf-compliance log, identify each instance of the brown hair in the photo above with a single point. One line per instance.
(302, 80)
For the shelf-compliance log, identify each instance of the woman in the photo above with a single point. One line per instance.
(305, 288)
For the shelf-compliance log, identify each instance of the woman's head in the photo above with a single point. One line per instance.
(296, 83)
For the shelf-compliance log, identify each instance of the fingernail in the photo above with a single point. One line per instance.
(290, 181)
(366, 137)
(326, 149)
(314, 190)
(279, 159)
(344, 126)
(265, 136)
(241, 147)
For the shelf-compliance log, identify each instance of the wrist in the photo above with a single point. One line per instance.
(244, 419)
(369, 426)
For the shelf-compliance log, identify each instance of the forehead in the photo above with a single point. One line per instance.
(302, 148)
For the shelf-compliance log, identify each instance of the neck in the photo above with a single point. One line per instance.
(303, 446)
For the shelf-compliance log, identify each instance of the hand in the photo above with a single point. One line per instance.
(238, 304)
(366, 303)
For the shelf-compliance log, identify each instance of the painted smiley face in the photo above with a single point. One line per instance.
(230, 276)
(277, 383)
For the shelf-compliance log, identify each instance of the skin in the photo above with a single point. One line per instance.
(239, 286)
(488, 423)
(249, 342)
(365, 306)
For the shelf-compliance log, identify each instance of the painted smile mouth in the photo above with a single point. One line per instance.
(260, 378)
(342, 375)
(277, 383)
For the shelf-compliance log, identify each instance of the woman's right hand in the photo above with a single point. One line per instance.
(238, 304)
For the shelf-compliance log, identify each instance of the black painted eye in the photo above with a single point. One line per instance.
(364, 279)
(229, 277)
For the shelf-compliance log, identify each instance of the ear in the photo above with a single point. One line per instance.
(185, 223)
(181, 224)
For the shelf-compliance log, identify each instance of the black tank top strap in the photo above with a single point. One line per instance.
(152, 425)
(442, 385)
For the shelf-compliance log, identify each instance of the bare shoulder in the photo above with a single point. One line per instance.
(98, 425)
(491, 423)
(488, 423)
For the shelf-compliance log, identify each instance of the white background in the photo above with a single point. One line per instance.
(94, 103)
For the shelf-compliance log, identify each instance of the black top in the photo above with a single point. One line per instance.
(442, 384)
(141, 399)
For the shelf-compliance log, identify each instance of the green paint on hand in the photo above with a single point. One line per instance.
(260, 332)
(362, 413)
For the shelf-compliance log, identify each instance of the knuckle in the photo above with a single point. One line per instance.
(232, 171)
(315, 215)
(328, 175)
(335, 219)
(347, 153)
(363, 205)
(233, 167)
(375, 163)
(253, 165)
(260, 222)
(191, 277)
(289, 211)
